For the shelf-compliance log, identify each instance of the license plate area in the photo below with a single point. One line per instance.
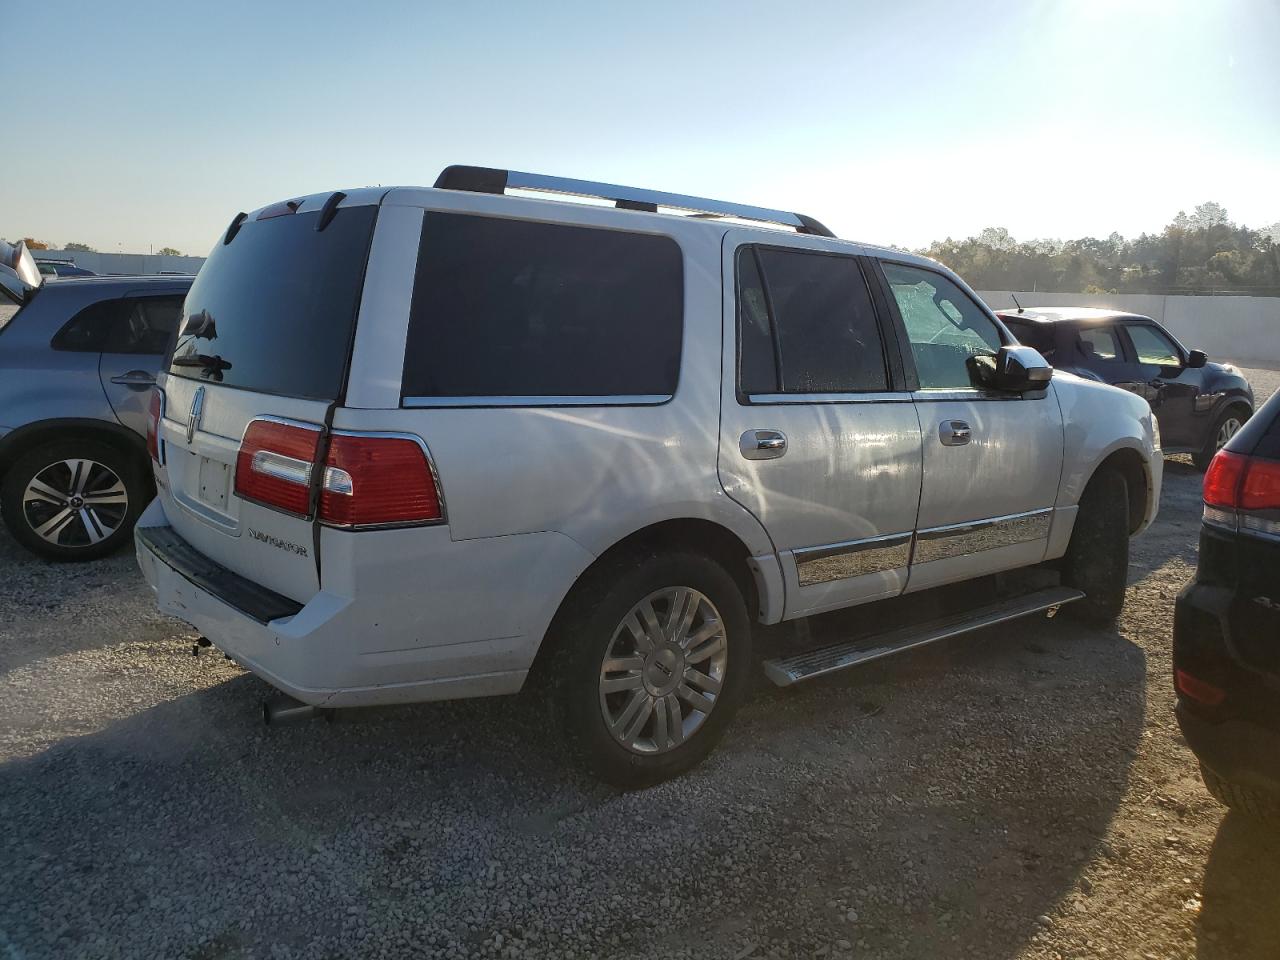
(213, 482)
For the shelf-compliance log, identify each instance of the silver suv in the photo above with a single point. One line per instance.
(78, 358)
(417, 444)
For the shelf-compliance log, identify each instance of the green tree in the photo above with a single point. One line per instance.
(78, 248)
(169, 252)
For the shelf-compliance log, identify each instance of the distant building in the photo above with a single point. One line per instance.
(123, 263)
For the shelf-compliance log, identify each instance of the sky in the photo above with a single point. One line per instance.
(136, 125)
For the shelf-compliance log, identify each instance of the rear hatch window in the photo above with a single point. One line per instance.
(273, 311)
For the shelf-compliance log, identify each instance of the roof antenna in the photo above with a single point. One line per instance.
(1018, 305)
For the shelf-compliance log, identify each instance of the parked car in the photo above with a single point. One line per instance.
(62, 268)
(1200, 404)
(78, 359)
(1226, 657)
(417, 444)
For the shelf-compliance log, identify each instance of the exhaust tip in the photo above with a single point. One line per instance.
(282, 709)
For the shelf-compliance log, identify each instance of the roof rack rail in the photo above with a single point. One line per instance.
(489, 180)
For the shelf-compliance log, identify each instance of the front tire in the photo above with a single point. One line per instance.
(1226, 426)
(72, 499)
(1097, 558)
(653, 656)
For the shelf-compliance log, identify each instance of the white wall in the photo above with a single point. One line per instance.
(1243, 329)
(124, 263)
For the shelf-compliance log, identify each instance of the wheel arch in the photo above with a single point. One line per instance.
(17, 442)
(1136, 470)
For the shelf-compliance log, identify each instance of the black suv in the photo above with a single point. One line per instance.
(1200, 405)
(1226, 633)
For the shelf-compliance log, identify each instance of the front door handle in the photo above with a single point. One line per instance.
(954, 433)
(763, 444)
(135, 378)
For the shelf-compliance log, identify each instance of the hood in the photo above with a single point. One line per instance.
(20, 278)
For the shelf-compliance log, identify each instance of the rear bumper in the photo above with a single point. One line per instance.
(318, 652)
(1240, 751)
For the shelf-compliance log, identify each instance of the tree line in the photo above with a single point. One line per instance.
(34, 244)
(1198, 254)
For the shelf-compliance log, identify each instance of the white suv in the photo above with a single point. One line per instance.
(416, 444)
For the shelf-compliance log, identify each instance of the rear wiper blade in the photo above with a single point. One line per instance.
(204, 361)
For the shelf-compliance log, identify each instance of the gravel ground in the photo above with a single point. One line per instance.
(1024, 793)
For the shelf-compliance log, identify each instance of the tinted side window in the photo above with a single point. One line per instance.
(144, 325)
(809, 327)
(511, 308)
(945, 326)
(1039, 336)
(90, 329)
(1152, 346)
(1100, 343)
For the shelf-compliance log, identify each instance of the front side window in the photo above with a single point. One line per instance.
(1100, 343)
(1152, 346)
(945, 326)
(515, 308)
(806, 324)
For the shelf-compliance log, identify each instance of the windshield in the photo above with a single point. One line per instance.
(273, 310)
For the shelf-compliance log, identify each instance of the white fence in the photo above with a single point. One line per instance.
(130, 264)
(1243, 329)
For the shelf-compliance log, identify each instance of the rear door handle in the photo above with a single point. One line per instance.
(954, 433)
(135, 378)
(763, 444)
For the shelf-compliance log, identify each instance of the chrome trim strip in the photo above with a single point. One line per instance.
(975, 536)
(926, 395)
(624, 400)
(765, 399)
(852, 558)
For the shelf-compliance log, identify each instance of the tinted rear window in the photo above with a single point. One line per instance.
(274, 310)
(1027, 332)
(511, 308)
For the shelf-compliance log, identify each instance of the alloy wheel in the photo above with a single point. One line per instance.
(75, 503)
(1229, 428)
(664, 670)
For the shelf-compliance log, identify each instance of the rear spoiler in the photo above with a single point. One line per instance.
(20, 278)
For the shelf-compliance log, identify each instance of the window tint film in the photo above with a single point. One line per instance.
(824, 333)
(1152, 346)
(511, 308)
(274, 309)
(142, 325)
(944, 325)
(1038, 336)
(757, 363)
(1100, 343)
(90, 329)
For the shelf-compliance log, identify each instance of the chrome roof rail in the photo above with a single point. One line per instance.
(489, 180)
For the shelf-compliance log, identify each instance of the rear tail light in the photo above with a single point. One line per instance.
(366, 479)
(155, 412)
(275, 463)
(375, 480)
(1243, 493)
(1199, 690)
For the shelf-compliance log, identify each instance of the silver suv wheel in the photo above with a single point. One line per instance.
(1226, 430)
(663, 672)
(75, 503)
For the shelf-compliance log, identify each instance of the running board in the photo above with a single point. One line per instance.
(839, 656)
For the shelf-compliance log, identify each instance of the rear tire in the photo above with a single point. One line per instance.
(1224, 428)
(640, 707)
(1097, 558)
(1246, 800)
(73, 499)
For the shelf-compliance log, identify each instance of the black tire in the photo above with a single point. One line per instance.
(1097, 558)
(584, 634)
(85, 535)
(1211, 444)
(1246, 800)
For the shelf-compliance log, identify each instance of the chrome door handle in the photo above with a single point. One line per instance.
(763, 444)
(954, 433)
(135, 378)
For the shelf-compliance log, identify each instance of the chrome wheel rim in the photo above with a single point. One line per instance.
(1230, 427)
(664, 670)
(75, 503)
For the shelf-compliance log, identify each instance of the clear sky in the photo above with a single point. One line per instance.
(137, 124)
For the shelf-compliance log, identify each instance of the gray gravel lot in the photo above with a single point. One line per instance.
(1023, 793)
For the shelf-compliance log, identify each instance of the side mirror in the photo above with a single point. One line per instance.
(1196, 358)
(1016, 369)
